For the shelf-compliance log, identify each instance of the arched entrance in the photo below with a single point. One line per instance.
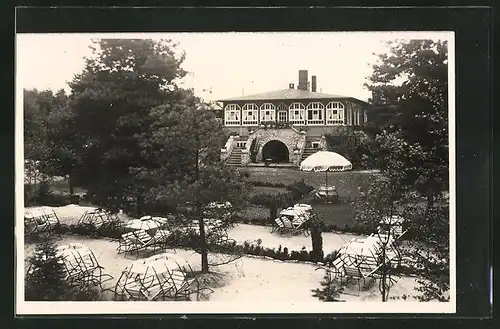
(276, 152)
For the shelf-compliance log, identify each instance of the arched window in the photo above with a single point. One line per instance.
(232, 115)
(250, 113)
(315, 114)
(296, 114)
(335, 113)
(267, 112)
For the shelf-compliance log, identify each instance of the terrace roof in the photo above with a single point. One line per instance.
(288, 94)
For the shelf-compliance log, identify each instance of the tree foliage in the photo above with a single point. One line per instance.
(411, 84)
(39, 151)
(111, 101)
(413, 81)
(185, 168)
(46, 278)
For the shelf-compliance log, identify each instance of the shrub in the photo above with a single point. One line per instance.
(267, 184)
(329, 291)
(331, 257)
(299, 189)
(45, 277)
(45, 280)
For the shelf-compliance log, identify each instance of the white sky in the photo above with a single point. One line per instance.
(227, 63)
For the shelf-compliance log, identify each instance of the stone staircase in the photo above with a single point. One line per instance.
(308, 150)
(234, 158)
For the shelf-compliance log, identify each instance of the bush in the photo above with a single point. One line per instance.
(331, 257)
(329, 291)
(109, 230)
(299, 189)
(45, 280)
(267, 184)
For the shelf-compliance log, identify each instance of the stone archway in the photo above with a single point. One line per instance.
(276, 151)
(281, 139)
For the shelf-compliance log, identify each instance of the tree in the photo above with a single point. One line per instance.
(420, 103)
(317, 254)
(38, 106)
(64, 141)
(184, 147)
(410, 85)
(329, 291)
(111, 101)
(45, 277)
(383, 199)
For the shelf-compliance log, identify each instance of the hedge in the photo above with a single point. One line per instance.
(181, 240)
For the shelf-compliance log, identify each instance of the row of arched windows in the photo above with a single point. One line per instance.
(314, 113)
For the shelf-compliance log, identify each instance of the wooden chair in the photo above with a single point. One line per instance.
(278, 225)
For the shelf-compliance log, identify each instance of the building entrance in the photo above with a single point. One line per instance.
(276, 152)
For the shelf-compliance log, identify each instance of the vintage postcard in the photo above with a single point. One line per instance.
(235, 173)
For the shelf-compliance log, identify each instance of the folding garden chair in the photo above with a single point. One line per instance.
(127, 243)
(278, 225)
(82, 266)
(182, 283)
(40, 222)
(287, 225)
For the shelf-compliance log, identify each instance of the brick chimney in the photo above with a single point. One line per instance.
(302, 80)
(313, 83)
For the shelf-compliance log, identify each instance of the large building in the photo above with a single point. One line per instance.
(286, 125)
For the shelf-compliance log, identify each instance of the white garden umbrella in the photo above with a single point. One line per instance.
(325, 161)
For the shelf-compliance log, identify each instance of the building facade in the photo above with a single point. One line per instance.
(286, 125)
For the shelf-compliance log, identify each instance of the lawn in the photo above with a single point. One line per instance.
(266, 189)
(62, 187)
(347, 182)
(340, 215)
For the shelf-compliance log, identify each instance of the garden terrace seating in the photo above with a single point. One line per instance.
(215, 231)
(392, 225)
(292, 220)
(81, 265)
(361, 259)
(157, 278)
(326, 194)
(98, 218)
(40, 221)
(140, 240)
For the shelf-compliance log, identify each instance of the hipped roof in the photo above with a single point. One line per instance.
(288, 94)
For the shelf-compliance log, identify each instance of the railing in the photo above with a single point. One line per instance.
(250, 123)
(297, 122)
(241, 144)
(274, 124)
(228, 148)
(335, 122)
(315, 122)
(232, 122)
(300, 149)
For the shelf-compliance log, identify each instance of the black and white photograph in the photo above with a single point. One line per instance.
(235, 172)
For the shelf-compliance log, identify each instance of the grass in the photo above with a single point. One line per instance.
(347, 182)
(267, 189)
(62, 187)
(340, 215)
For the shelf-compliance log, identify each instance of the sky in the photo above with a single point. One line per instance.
(223, 65)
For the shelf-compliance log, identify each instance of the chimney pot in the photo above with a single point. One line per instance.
(302, 80)
(313, 83)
